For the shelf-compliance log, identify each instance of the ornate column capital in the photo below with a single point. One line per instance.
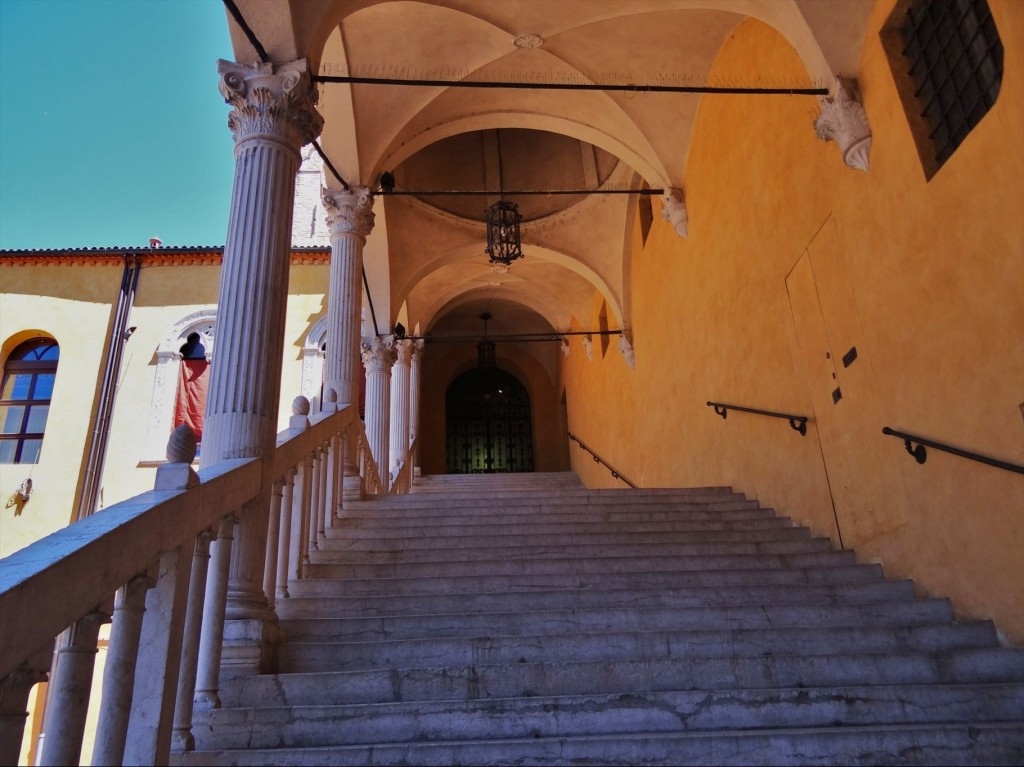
(271, 101)
(403, 352)
(417, 349)
(673, 210)
(378, 355)
(844, 121)
(348, 211)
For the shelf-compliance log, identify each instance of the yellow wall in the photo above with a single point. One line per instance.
(73, 306)
(790, 256)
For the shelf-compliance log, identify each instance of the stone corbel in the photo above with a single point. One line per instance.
(565, 347)
(844, 121)
(627, 351)
(673, 210)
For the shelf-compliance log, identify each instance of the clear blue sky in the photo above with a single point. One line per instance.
(112, 129)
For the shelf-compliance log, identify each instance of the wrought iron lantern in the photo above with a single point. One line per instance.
(503, 243)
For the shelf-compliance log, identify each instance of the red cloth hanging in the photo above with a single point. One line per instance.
(190, 400)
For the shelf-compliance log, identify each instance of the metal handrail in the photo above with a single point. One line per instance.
(921, 455)
(600, 460)
(796, 422)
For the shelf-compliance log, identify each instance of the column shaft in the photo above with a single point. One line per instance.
(378, 357)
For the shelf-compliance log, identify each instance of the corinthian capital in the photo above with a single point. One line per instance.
(378, 355)
(276, 101)
(844, 121)
(348, 211)
(673, 210)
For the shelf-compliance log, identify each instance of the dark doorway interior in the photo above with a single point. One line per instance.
(487, 424)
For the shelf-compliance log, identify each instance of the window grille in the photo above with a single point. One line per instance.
(954, 59)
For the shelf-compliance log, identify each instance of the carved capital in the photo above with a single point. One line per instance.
(417, 349)
(403, 352)
(588, 347)
(844, 121)
(673, 210)
(348, 211)
(378, 355)
(565, 347)
(276, 101)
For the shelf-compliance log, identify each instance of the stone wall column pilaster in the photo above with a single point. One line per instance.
(399, 431)
(378, 357)
(414, 393)
(273, 115)
(349, 221)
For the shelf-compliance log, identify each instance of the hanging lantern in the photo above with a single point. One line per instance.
(503, 244)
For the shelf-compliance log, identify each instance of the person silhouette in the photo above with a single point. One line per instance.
(193, 348)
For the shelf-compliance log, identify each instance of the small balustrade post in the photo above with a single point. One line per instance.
(14, 694)
(285, 543)
(337, 477)
(212, 632)
(314, 504)
(321, 509)
(182, 739)
(68, 696)
(273, 539)
(305, 504)
(119, 671)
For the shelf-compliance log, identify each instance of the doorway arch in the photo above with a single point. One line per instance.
(488, 424)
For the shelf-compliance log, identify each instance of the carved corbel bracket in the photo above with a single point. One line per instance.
(673, 210)
(844, 121)
(628, 353)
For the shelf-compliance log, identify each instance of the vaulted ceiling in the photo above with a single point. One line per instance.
(426, 254)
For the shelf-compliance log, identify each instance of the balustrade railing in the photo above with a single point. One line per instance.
(401, 482)
(598, 459)
(165, 554)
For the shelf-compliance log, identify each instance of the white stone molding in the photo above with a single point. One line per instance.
(313, 359)
(308, 228)
(165, 378)
(844, 121)
(627, 351)
(588, 347)
(565, 347)
(271, 102)
(673, 210)
(348, 211)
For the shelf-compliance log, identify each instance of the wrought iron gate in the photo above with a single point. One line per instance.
(487, 424)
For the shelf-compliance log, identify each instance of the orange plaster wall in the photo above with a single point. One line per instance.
(925, 279)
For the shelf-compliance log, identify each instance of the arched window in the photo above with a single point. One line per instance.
(25, 394)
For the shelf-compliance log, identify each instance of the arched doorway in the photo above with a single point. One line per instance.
(487, 424)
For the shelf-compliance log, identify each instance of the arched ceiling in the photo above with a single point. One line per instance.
(429, 255)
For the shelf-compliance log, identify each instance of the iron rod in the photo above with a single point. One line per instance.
(954, 450)
(520, 192)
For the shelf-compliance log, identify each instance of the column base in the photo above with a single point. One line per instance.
(249, 648)
(351, 487)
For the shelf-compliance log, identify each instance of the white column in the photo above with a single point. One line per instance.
(273, 115)
(378, 357)
(14, 694)
(119, 672)
(182, 736)
(414, 393)
(399, 445)
(68, 697)
(349, 220)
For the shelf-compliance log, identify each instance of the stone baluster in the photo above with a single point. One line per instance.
(273, 115)
(70, 687)
(14, 694)
(305, 502)
(314, 504)
(214, 610)
(119, 672)
(182, 739)
(285, 544)
(414, 395)
(321, 509)
(273, 538)
(350, 221)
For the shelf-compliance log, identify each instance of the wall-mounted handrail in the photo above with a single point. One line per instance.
(796, 422)
(600, 460)
(921, 455)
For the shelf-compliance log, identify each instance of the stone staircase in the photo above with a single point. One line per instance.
(523, 619)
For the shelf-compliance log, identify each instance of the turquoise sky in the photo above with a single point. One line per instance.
(112, 130)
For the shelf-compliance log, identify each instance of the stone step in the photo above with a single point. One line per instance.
(370, 529)
(392, 627)
(297, 607)
(303, 652)
(847, 572)
(731, 512)
(580, 715)
(568, 538)
(518, 680)
(577, 565)
(451, 553)
(541, 502)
